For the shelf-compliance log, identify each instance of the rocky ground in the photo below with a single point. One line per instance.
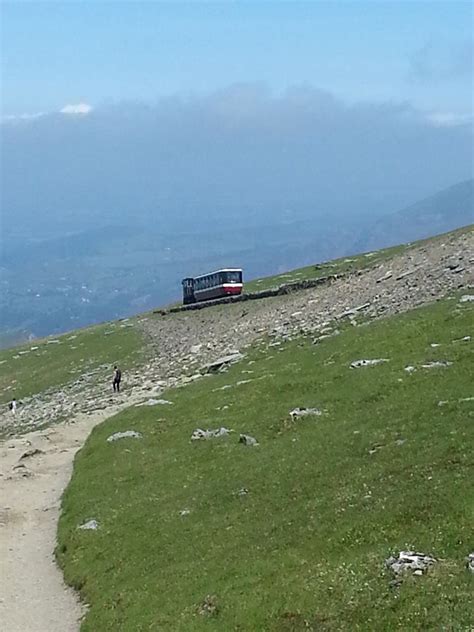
(180, 344)
(36, 467)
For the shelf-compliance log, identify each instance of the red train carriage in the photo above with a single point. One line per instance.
(225, 282)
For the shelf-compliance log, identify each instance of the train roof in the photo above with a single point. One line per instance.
(220, 270)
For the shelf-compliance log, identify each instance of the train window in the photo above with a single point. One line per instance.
(234, 277)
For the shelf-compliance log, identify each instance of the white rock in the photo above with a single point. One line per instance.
(128, 434)
(303, 412)
(224, 361)
(92, 525)
(360, 363)
(436, 364)
(470, 562)
(385, 277)
(409, 561)
(200, 434)
(248, 440)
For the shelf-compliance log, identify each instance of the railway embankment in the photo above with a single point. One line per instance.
(281, 290)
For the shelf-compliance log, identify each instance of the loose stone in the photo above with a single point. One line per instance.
(248, 440)
(304, 412)
(360, 363)
(128, 434)
(90, 525)
(200, 434)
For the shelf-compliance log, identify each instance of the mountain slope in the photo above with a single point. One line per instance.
(154, 350)
(291, 534)
(449, 209)
(326, 498)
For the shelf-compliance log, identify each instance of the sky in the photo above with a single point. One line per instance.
(60, 54)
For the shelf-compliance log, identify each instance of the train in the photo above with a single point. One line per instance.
(207, 287)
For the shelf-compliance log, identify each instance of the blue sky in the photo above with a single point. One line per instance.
(61, 53)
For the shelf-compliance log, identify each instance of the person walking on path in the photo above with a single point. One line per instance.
(117, 379)
(13, 406)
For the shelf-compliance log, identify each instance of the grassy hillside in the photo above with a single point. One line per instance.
(328, 498)
(51, 362)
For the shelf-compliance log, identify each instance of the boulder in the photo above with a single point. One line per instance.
(410, 562)
(248, 440)
(223, 362)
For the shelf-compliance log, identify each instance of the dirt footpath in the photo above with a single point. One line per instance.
(33, 596)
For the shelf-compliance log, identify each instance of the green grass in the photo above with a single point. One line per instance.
(305, 548)
(42, 364)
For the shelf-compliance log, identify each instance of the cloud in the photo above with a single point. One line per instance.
(22, 117)
(440, 61)
(243, 153)
(449, 119)
(77, 108)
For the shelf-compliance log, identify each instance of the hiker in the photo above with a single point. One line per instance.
(13, 406)
(117, 378)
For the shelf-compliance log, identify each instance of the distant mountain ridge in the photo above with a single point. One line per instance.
(439, 213)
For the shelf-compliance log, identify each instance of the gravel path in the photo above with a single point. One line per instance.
(33, 596)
